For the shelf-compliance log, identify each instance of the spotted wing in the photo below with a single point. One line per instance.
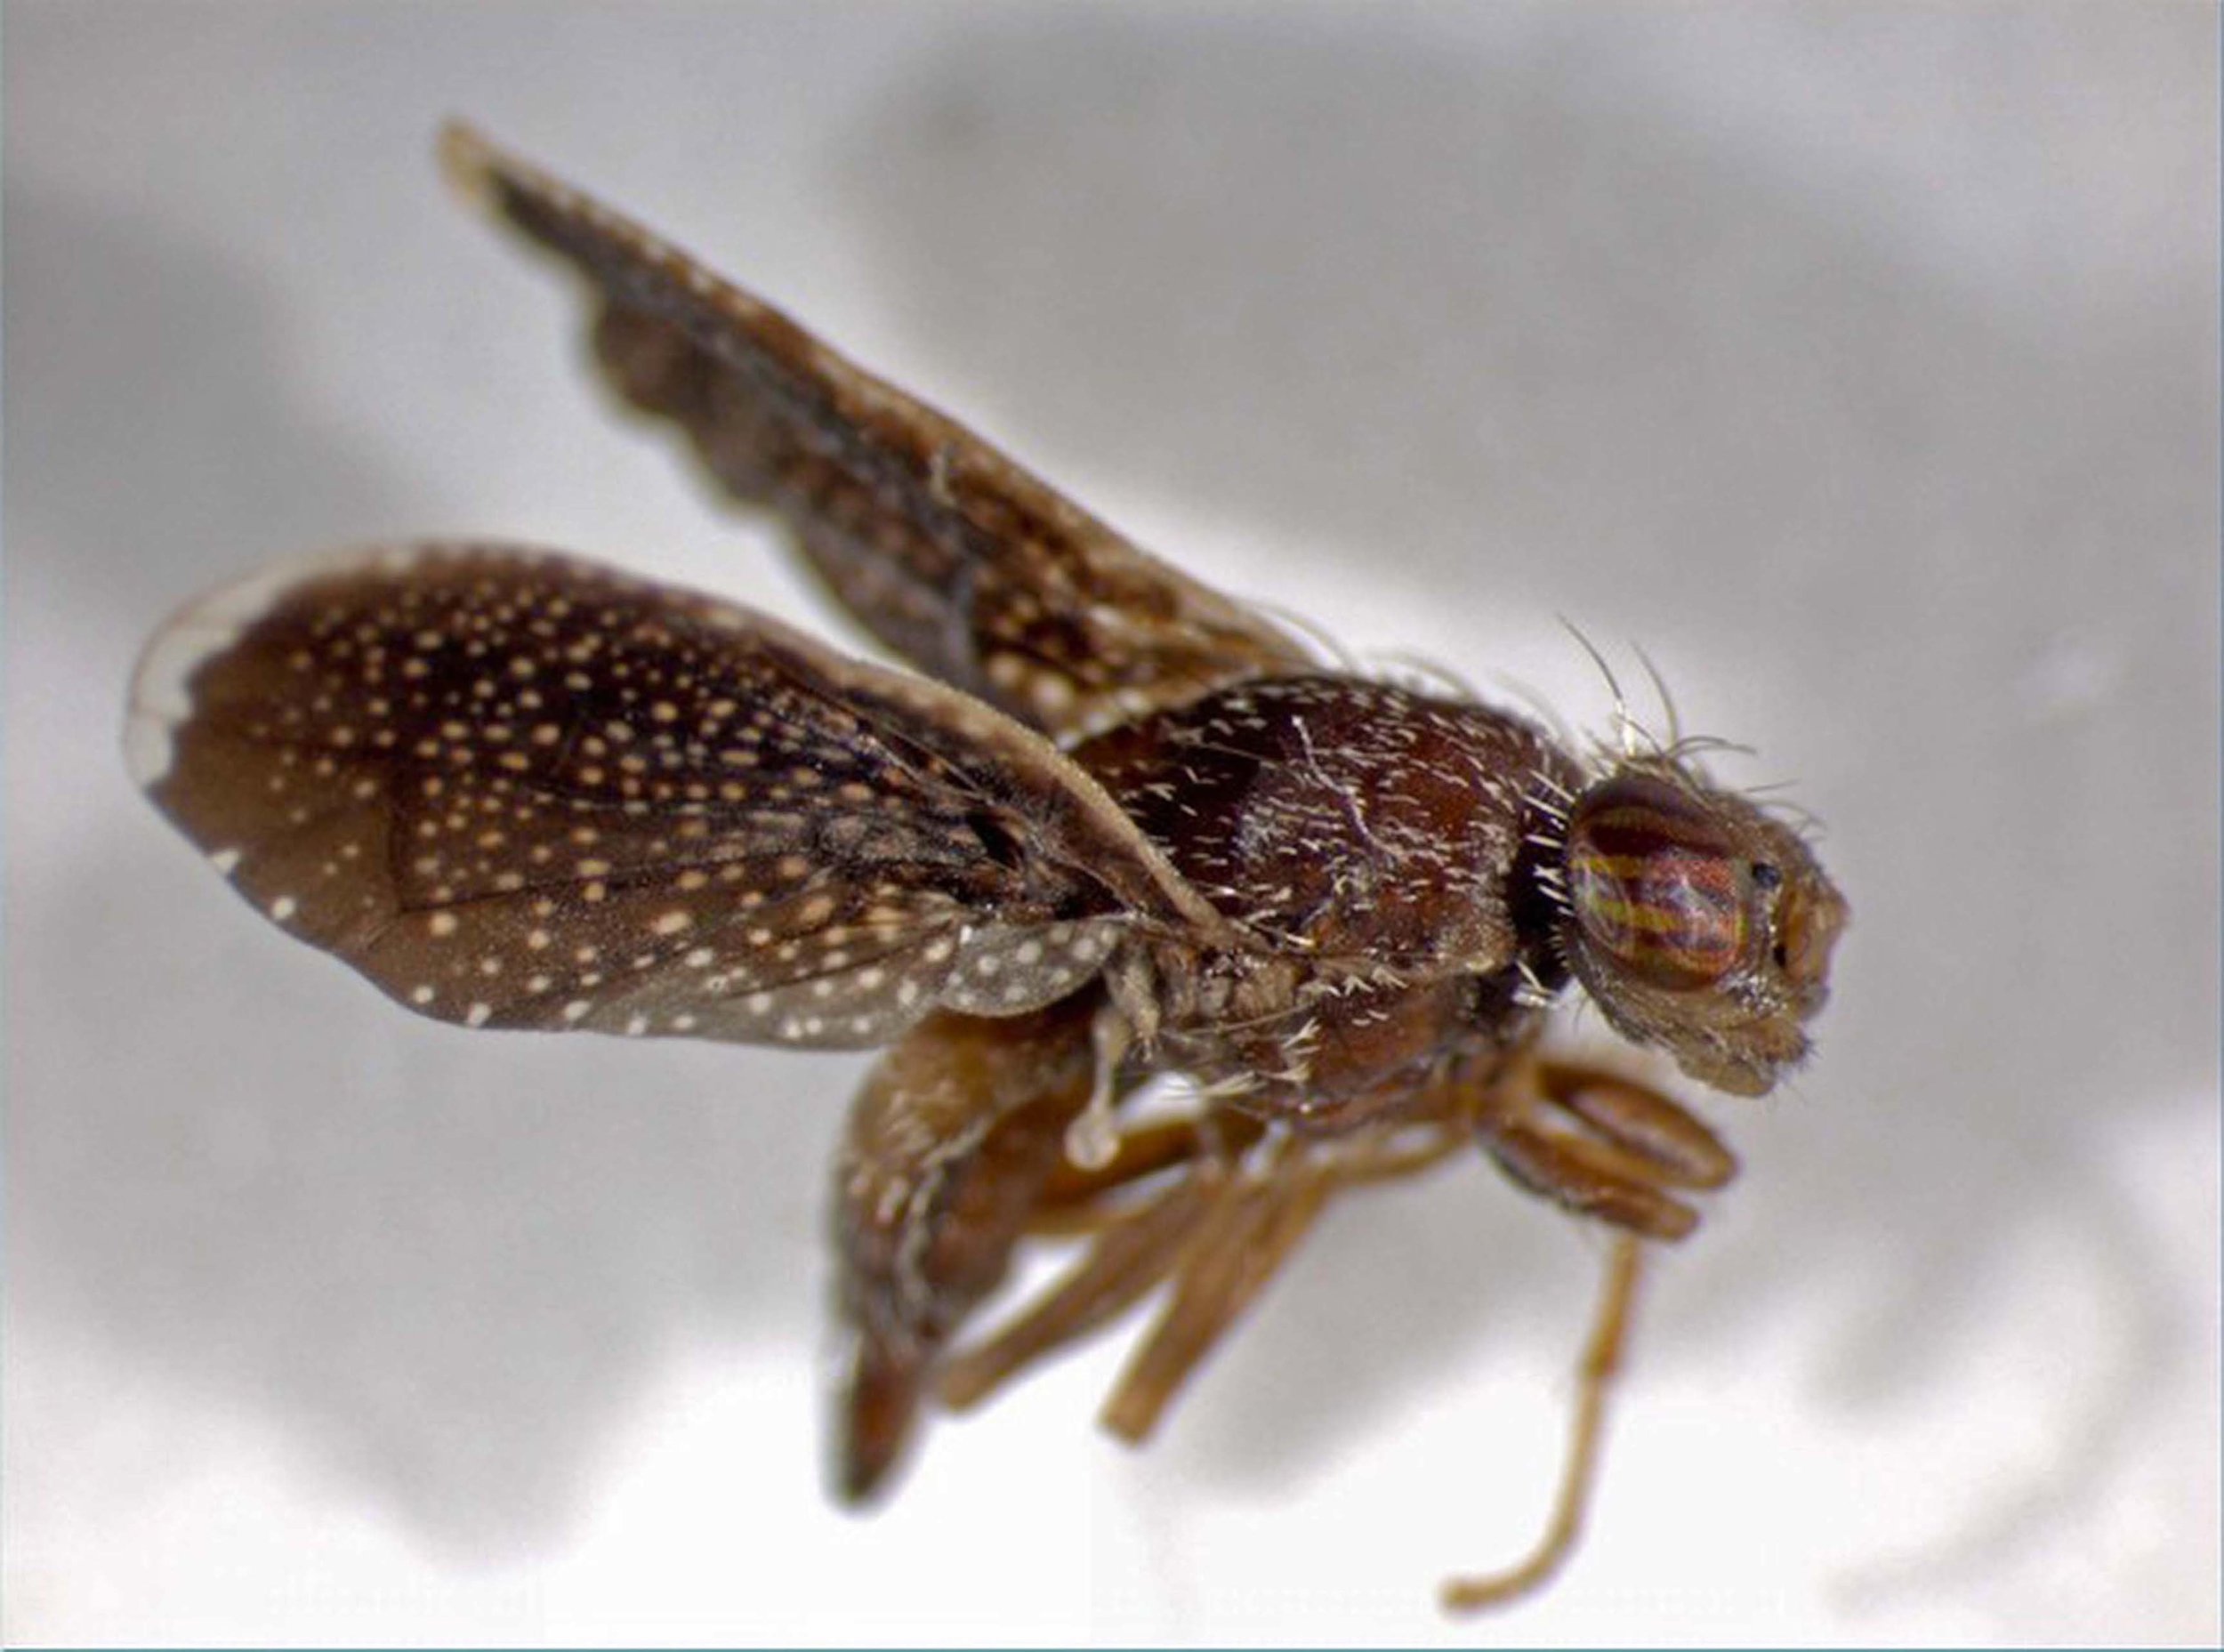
(943, 548)
(516, 790)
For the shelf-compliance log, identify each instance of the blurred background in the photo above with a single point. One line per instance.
(1859, 365)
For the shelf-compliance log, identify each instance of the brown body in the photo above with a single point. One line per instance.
(1365, 841)
(1122, 830)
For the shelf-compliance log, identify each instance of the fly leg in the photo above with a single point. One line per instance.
(948, 1145)
(1224, 1213)
(1077, 1199)
(1254, 1221)
(1136, 1208)
(1218, 1231)
(1608, 1149)
(1600, 1145)
(1601, 1360)
(1128, 1256)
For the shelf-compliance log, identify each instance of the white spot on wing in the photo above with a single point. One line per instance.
(161, 699)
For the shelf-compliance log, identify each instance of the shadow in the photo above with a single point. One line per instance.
(151, 424)
(1500, 329)
(444, 1265)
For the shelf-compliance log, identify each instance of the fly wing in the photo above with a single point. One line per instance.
(947, 551)
(516, 790)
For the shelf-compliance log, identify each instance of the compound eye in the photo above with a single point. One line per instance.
(1656, 884)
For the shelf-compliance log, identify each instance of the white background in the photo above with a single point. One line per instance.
(1859, 365)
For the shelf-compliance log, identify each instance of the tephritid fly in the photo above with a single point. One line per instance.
(1113, 827)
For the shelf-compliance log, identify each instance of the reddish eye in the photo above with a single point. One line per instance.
(1654, 882)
